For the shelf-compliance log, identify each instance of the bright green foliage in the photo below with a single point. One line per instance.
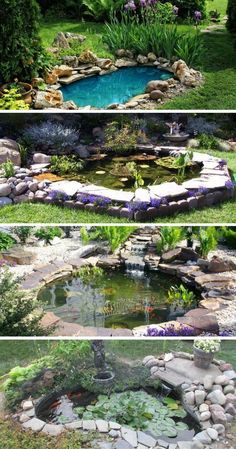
(66, 165)
(23, 233)
(182, 162)
(100, 10)
(139, 410)
(115, 235)
(8, 169)
(23, 154)
(208, 239)
(231, 11)
(48, 233)
(229, 237)
(135, 173)
(11, 100)
(19, 310)
(6, 241)
(207, 141)
(180, 296)
(169, 237)
(89, 274)
(20, 46)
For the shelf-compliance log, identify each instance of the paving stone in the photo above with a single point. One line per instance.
(114, 425)
(70, 188)
(130, 436)
(27, 405)
(74, 425)
(71, 79)
(89, 425)
(102, 425)
(167, 189)
(122, 444)
(184, 444)
(146, 439)
(104, 445)
(34, 424)
(53, 429)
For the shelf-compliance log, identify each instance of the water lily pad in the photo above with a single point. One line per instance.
(100, 172)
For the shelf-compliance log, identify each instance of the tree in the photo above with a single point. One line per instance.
(21, 54)
(20, 312)
(231, 11)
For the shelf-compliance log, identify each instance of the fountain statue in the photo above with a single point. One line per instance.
(175, 134)
(103, 374)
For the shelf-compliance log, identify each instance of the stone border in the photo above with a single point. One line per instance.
(88, 64)
(214, 186)
(212, 401)
(198, 320)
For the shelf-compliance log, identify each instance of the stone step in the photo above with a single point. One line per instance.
(171, 378)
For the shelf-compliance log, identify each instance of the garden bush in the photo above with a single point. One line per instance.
(6, 241)
(66, 165)
(50, 137)
(120, 138)
(231, 11)
(48, 233)
(20, 46)
(19, 311)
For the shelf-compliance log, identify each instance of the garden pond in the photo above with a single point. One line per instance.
(116, 87)
(118, 299)
(146, 409)
(115, 173)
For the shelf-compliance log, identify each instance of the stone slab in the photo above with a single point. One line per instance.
(130, 436)
(71, 79)
(70, 188)
(35, 424)
(189, 371)
(114, 195)
(167, 189)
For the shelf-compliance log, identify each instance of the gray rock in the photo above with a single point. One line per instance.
(213, 434)
(220, 428)
(208, 382)
(21, 188)
(9, 151)
(35, 424)
(102, 425)
(157, 95)
(229, 389)
(197, 445)
(222, 380)
(217, 397)
(89, 424)
(53, 429)
(203, 437)
(114, 425)
(5, 190)
(184, 445)
(146, 439)
(5, 201)
(229, 408)
(205, 416)
(122, 444)
(33, 186)
(223, 146)
(190, 398)
(74, 425)
(230, 374)
(200, 396)
(82, 151)
(130, 436)
(114, 433)
(40, 158)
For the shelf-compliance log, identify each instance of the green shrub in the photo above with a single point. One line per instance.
(20, 45)
(66, 165)
(208, 239)
(90, 274)
(48, 233)
(207, 141)
(169, 237)
(229, 237)
(20, 314)
(23, 154)
(114, 235)
(11, 100)
(8, 169)
(6, 241)
(231, 11)
(23, 233)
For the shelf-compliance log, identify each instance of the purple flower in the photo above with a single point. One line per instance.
(93, 199)
(170, 331)
(229, 185)
(222, 163)
(197, 16)
(142, 3)
(130, 6)
(156, 202)
(202, 191)
(56, 195)
(136, 206)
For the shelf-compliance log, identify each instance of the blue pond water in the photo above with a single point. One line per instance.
(116, 87)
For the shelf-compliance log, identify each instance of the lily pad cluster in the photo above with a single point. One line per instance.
(138, 410)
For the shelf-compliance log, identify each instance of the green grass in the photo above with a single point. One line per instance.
(15, 352)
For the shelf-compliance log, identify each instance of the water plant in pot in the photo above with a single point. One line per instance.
(204, 350)
(24, 90)
(175, 135)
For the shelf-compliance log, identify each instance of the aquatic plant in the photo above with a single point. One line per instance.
(208, 238)
(138, 410)
(169, 237)
(66, 165)
(135, 173)
(181, 297)
(90, 274)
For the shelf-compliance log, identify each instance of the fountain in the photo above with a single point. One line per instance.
(175, 135)
(103, 374)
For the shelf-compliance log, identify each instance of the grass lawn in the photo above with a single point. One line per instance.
(218, 64)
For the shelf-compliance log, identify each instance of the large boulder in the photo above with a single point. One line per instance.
(159, 85)
(48, 99)
(61, 41)
(188, 77)
(9, 150)
(218, 265)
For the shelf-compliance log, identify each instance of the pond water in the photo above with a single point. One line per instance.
(119, 299)
(113, 173)
(168, 419)
(116, 87)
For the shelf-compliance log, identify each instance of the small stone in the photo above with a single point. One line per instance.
(184, 444)
(221, 380)
(205, 416)
(197, 445)
(27, 405)
(114, 433)
(146, 439)
(23, 418)
(5, 190)
(89, 424)
(130, 436)
(208, 382)
(53, 429)
(217, 397)
(35, 424)
(229, 389)
(229, 408)
(190, 398)
(220, 428)
(122, 444)
(200, 396)
(102, 425)
(114, 425)
(74, 425)
(213, 434)
(203, 408)
(5, 201)
(203, 437)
